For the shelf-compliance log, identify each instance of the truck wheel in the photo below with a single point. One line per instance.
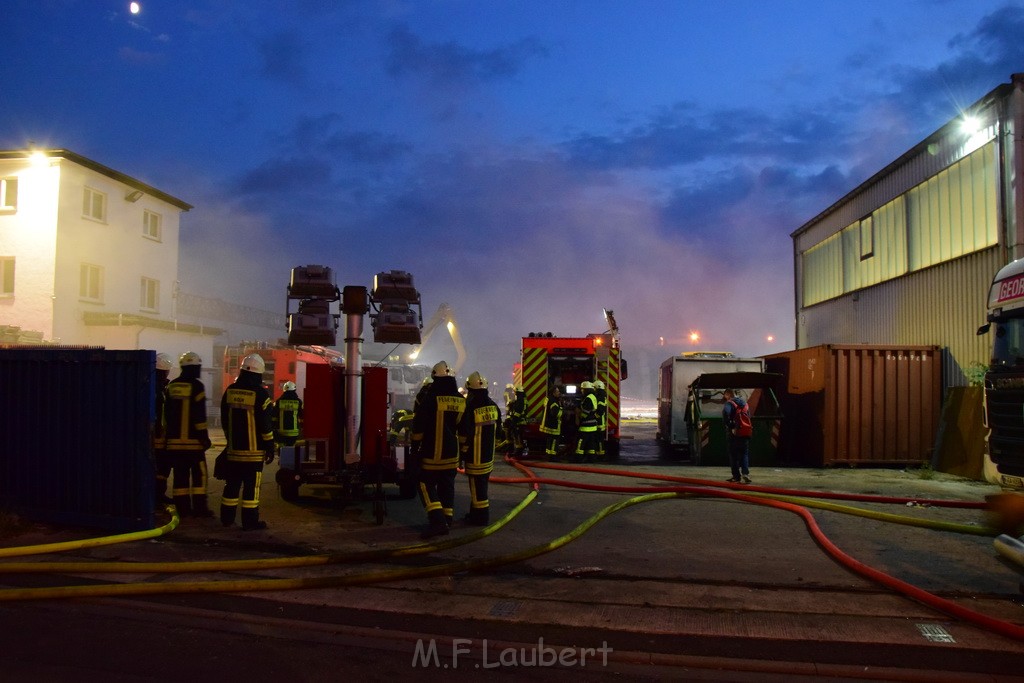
(290, 491)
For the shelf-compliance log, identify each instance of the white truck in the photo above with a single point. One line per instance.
(675, 377)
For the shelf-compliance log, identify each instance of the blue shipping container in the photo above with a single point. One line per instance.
(76, 446)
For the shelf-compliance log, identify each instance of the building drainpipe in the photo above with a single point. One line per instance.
(1015, 207)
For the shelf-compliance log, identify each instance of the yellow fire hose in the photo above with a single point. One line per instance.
(267, 563)
(253, 585)
(63, 546)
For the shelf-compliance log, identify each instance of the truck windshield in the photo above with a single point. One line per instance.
(1008, 346)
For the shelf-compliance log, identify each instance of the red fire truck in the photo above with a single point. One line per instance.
(567, 362)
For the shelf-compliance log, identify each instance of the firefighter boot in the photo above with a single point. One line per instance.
(200, 506)
(437, 525)
(227, 514)
(251, 520)
(477, 517)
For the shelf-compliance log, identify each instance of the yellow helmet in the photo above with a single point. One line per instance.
(586, 384)
(441, 369)
(476, 381)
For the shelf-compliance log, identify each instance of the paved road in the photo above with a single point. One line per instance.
(691, 588)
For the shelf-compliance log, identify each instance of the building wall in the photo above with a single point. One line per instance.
(29, 234)
(942, 306)
(907, 258)
(117, 246)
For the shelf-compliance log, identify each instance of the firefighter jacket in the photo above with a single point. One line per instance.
(435, 425)
(602, 409)
(288, 416)
(184, 413)
(479, 432)
(552, 423)
(246, 414)
(588, 413)
(401, 423)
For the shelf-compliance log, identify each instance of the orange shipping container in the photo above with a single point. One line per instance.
(854, 404)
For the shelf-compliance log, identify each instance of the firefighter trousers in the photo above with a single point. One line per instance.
(242, 487)
(190, 479)
(437, 492)
(479, 505)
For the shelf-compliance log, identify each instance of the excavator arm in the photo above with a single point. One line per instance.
(444, 314)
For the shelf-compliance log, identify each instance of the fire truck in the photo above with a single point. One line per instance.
(1004, 378)
(566, 362)
(284, 363)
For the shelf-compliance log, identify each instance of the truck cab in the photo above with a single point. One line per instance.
(1004, 378)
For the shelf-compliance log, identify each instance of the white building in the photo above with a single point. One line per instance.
(89, 256)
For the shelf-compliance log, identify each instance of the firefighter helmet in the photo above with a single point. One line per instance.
(289, 386)
(427, 380)
(599, 384)
(190, 358)
(254, 363)
(586, 384)
(163, 362)
(441, 369)
(476, 381)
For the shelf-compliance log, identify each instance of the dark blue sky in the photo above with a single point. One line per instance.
(529, 162)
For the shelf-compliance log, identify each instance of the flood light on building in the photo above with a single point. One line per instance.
(970, 125)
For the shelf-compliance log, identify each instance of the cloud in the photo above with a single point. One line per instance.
(282, 57)
(450, 63)
(285, 175)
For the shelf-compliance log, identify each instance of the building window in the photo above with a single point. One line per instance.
(867, 238)
(150, 296)
(8, 193)
(94, 205)
(6, 276)
(90, 282)
(151, 225)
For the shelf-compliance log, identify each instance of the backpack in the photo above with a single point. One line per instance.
(741, 424)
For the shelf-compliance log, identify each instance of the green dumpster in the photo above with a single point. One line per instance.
(706, 428)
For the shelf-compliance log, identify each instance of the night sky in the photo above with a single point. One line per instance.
(529, 162)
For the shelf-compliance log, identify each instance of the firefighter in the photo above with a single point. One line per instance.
(287, 416)
(436, 440)
(186, 438)
(162, 370)
(514, 420)
(551, 423)
(586, 448)
(246, 412)
(479, 433)
(602, 416)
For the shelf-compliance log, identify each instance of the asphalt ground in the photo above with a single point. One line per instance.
(691, 587)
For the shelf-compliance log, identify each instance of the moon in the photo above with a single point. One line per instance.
(134, 7)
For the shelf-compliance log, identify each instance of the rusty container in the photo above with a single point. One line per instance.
(855, 404)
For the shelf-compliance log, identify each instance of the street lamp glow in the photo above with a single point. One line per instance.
(694, 337)
(770, 338)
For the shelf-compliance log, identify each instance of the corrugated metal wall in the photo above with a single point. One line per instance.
(76, 443)
(943, 305)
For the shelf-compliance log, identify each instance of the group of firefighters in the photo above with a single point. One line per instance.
(254, 425)
(451, 427)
